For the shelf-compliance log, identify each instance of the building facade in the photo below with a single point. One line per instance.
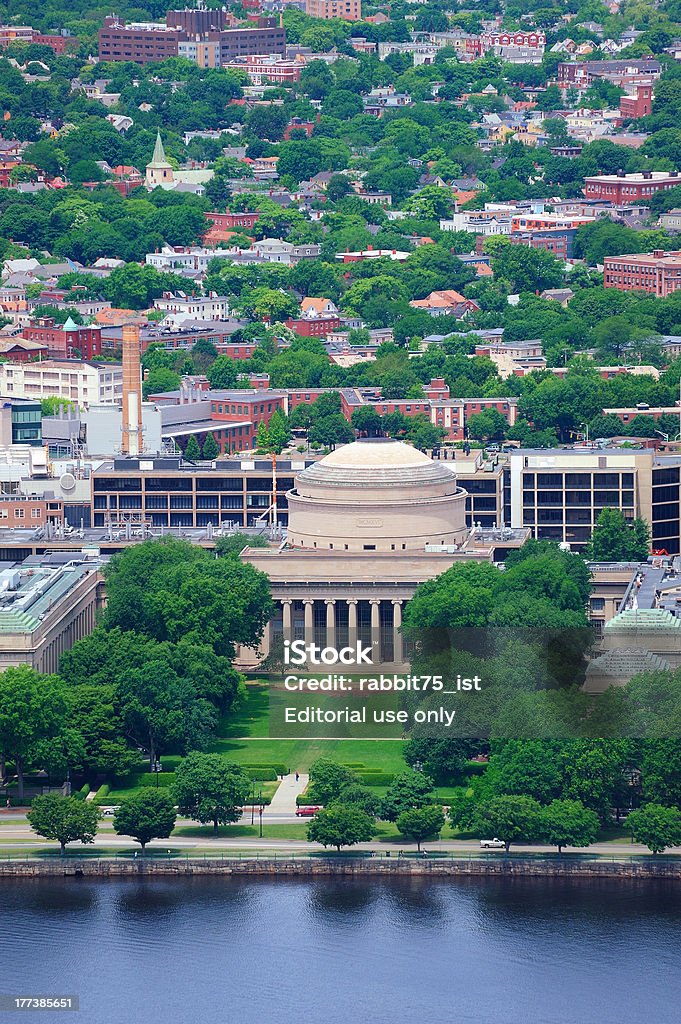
(657, 273)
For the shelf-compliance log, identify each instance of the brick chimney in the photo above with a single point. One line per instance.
(132, 391)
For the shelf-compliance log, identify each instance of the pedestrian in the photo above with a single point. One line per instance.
(297, 776)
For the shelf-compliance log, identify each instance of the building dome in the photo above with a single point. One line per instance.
(376, 494)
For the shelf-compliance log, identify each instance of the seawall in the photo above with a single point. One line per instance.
(645, 868)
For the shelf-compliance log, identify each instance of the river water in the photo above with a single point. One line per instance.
(336, 951)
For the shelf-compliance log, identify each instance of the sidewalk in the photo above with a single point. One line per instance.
(284, 800)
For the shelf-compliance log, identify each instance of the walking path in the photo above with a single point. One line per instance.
(284, 800)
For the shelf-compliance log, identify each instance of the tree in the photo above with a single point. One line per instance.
(421, 823)
(656, 826)
(149, 814)
(331, 431)
(223, 373)
(340, 825)
(236, 542)
(192, 450)
(33, 708)
(171, 590)
(568, 823)
(208, 788)
(64, 818)
(160, 380)
(278, 432)
(327, 780)
(366, 420)
(510, 818)
(262, 437)
(523, 268)
(617, 539)
(210, 448)
(408, 791)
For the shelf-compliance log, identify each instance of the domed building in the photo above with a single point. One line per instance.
(367, 524)
(376, 495)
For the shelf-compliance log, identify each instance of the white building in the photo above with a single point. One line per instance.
(198, 307)
(83, 382)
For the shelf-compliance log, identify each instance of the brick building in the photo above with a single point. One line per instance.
(67, 339)
(206, 36)
(620, 72)
(348, 10)
(657, 273)
(640, 104)
(627, 188)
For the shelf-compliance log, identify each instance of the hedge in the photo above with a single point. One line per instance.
(260, 774)
(83, 792)
(148, 779)
(102, 793)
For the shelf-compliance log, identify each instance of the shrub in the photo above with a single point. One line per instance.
(102, 793)
(83, 792)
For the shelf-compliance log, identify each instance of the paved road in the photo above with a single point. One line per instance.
(21, 837)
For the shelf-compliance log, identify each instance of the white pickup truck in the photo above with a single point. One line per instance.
(492, 844)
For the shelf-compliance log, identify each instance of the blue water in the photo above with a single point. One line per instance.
(334, 951)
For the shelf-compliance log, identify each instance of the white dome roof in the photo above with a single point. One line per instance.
(375, 452)
(376, 462)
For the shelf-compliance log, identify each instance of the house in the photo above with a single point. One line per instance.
(313, 309)
(446, 303)
(560, 295)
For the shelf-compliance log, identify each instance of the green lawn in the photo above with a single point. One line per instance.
(298, 754)
(242, 831)
(243, 737)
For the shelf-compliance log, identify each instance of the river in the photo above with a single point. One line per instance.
(337, 951)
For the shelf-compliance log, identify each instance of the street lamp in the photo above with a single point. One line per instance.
(157, 769)
(665, 437)
(253, 802)
(261, 808)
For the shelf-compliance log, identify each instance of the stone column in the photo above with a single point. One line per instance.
(287, 608)
(398, 655)
(352, 623)
(309, 621)
(330, 623)
(376, 630)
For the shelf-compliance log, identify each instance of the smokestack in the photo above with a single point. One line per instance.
(132, 391)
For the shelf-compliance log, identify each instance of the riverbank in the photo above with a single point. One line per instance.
(305, 867)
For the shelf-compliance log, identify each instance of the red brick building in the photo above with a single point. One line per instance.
(656, 273)
(627, 188)
(245, 409)
(67, 339)
(317, 328)
(640, 104)
(232, 221)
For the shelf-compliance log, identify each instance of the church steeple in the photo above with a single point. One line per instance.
(159, 156)
(158, 170)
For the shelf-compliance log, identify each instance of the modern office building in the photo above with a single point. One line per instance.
(20, 421)
(559, 493)
(170, 492)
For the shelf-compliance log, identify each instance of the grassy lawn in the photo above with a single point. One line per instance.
(268, 789)
(241, 831)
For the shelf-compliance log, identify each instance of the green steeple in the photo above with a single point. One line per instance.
(69, 325)
(159, 157)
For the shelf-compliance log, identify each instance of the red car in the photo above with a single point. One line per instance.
(307, 812)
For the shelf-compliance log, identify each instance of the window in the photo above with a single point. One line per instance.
(18, 513)
(35, 513)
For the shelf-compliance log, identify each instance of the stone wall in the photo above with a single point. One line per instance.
(643, 868)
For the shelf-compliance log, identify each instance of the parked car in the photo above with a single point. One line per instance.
(306, 812)
(109, 812)
(492, 844)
